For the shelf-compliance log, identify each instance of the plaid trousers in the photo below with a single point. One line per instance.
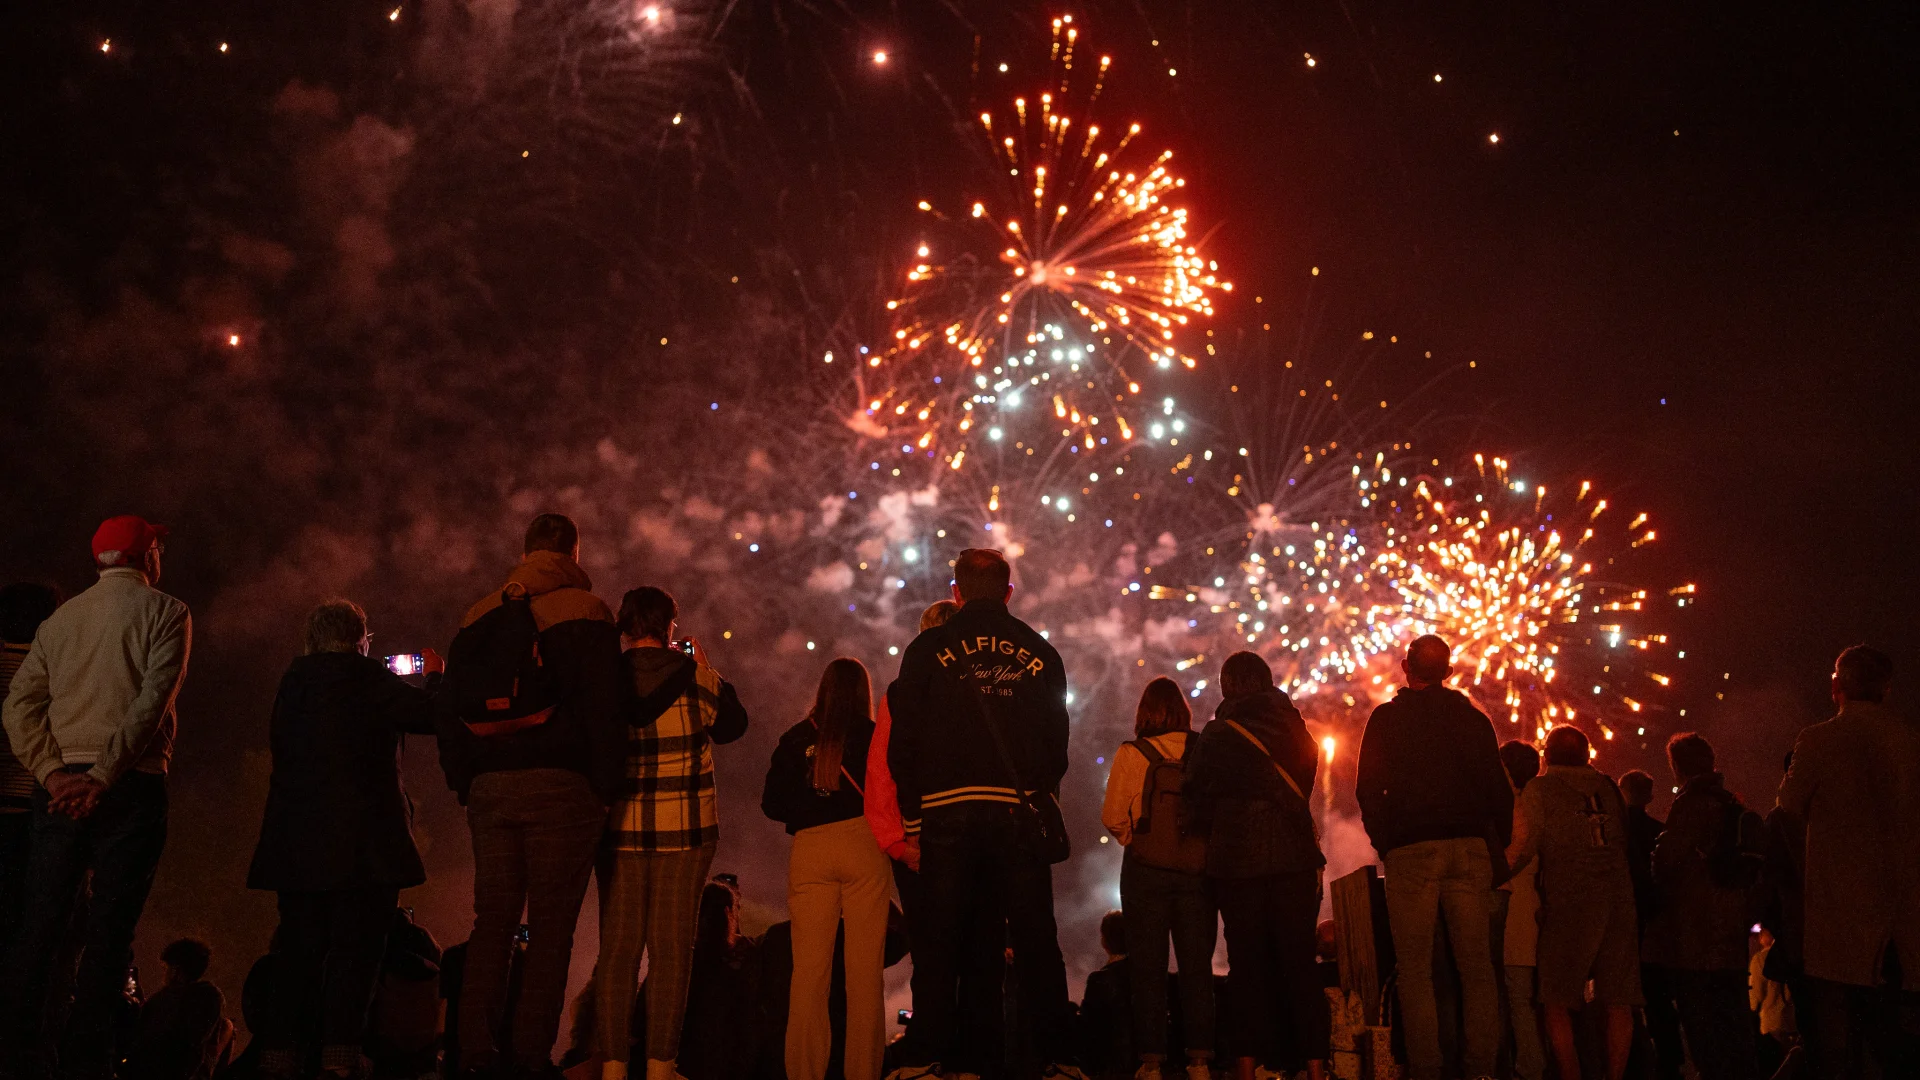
(649, 902)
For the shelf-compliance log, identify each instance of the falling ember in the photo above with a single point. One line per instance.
(880, 56)
(233, 339)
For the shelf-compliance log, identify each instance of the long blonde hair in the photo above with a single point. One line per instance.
(845, 696)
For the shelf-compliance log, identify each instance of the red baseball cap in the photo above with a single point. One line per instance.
(121, 541)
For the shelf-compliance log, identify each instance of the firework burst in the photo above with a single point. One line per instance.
(1042, 309)
(1523, 582)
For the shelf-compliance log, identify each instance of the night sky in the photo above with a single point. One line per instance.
(347, 301)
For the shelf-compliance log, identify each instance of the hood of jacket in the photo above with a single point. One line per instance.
(1267, 714)
(653, 665)
(548, 571)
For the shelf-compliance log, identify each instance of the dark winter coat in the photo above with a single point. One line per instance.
(1430, 770)
(941, 753)
(1696, 925)
(587, 733)
(789, 797)
(1254, 823)
(337, 814)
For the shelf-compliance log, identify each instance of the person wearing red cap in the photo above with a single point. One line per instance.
(90, 714)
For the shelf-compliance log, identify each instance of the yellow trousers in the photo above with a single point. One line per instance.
(837, 873)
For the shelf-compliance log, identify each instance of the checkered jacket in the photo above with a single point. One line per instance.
(669, 803)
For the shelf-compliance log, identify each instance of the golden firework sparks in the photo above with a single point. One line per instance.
(1039, 303)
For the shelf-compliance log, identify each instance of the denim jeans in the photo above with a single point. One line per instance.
(1157, 904)
(1425, 881)
(120, 842)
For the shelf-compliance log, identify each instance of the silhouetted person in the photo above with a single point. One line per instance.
(336, 842)
(1571, 819)
(719, 1040)
(1437, 805)
(1703, 870)
(1107, 1034)
(183, 1033)
(980, 725)
(1662, 1015)
(90, 714)
(533, 738)
(663, 831)
(1520, 946)
(1855, 783)
(838, 881)
(1250, 788)
(982, 947)
(23, 607)
(1780, 900)
(1164, 891)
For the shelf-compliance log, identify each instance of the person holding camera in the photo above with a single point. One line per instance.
(662, 834)
(336, 842)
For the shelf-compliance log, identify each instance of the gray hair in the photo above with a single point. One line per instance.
(338, 625)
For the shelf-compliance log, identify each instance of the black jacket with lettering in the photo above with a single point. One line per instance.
(940, 751)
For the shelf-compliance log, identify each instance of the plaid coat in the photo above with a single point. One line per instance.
(668, 803)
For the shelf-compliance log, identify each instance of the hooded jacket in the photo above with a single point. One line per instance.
(941, 753)
(670, 800)
(587, 731)
(1430, 770)
(337, 814)
(1255, 825)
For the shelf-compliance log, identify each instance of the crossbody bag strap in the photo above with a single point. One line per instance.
(993, 732)
(857, 789)
(1271, 760)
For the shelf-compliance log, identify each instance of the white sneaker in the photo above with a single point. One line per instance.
(1199, 1070)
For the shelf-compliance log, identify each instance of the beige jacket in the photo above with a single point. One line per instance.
(1127, 781)
(97, 687)
(1855, 781)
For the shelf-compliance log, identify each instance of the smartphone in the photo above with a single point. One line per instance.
(685, 645)
(905, 1016)
(406, 663)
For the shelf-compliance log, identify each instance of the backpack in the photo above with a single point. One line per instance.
(1735, 859)
(1160, 837)
(496, 680)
